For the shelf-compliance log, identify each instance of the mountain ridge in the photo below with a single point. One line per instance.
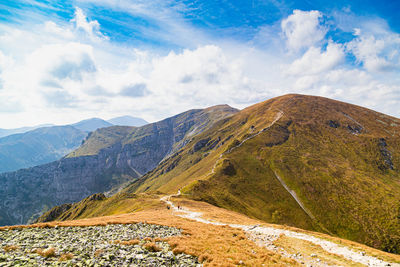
(340, 160)
(113, 156)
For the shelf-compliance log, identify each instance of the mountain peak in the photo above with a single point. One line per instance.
(92, 124)
(128, 121)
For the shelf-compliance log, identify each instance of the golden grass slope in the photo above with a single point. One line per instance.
(341, 160)
(219, 245)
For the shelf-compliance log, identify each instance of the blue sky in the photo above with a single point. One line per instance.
(62, 61)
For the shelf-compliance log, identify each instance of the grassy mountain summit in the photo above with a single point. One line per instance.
(304, 161)
(297, 160)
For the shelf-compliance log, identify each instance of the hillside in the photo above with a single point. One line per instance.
(303, 161)
(215, 236)
(38, 146)
(108, 158)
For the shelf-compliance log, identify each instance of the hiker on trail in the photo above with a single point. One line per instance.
(168, 207)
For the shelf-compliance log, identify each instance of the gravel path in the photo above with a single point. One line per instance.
(91, 246)
(266, 236)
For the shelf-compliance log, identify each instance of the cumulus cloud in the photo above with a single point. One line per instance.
(92, 28)
(63, 61)
(52, 28)
(376, 53)
(68, 76)
(303, 29)
(203, 75)
(315, 61)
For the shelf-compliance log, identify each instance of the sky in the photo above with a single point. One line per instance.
(64, 61)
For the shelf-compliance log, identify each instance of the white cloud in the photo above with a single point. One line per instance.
(92, 28)
(302, 29)
(314, 61)
(53, 73)
(199, 75)
(52, 28)
(377, 53)
(62, 61)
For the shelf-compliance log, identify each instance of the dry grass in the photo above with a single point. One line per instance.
(211, 213)
(10, 248)
(307, 248)
(98, 253)
(214, 245)
(152, 247)
(66, 257)
(46, 253)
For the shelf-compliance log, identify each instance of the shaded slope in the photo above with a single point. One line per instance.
(341, 161)
(108, 158)
(38, 146)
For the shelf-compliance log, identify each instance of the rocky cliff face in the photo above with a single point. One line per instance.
(107, 159)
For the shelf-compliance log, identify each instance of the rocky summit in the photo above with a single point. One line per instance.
(111, 245)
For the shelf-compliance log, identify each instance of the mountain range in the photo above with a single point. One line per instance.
(108, 158)
(45, 144)
(303, 161)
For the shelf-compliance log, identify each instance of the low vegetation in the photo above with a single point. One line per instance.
(340, 161)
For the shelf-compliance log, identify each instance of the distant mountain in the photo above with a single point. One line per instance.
(91, 125)
(108, 158)
(6, 132)
(43, 145)
(128, 121)
(38, 146)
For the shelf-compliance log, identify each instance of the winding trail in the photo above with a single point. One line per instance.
(265, 236)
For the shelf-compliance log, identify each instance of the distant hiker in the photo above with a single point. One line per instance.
(179, 191)
(179, 207)
(168, 207)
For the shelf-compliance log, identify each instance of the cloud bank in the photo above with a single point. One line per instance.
(64, 71)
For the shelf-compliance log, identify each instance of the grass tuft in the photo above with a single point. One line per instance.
(66, 257)
(152, 247)
(46, 253)
(9, 248)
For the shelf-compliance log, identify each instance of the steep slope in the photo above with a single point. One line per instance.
(128, 121)
(304, 161)
(37, 147)
(108, 158)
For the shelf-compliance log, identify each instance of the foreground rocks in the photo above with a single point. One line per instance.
(92, 246)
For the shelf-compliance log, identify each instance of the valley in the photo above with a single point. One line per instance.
(300, 161)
